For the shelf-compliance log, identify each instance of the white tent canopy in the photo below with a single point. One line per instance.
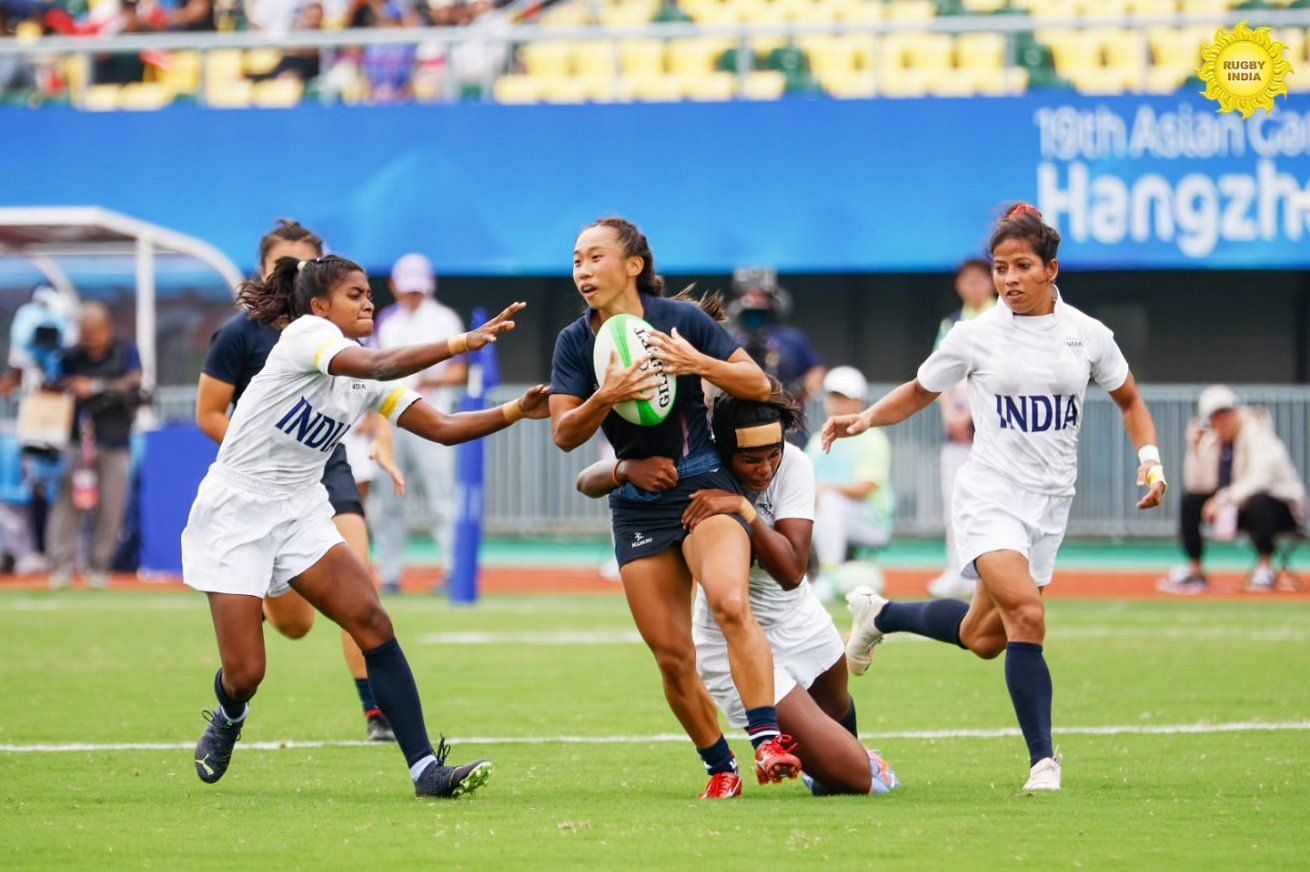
(41, 233)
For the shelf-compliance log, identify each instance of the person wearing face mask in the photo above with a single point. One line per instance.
(1238, 476)
(759, 312)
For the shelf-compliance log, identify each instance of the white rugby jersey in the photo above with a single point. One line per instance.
(1027, 380)
(791, 494)
(294, 413)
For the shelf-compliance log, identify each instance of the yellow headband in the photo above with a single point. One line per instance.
(759, 435)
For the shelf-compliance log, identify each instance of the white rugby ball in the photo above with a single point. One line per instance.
(629, 337)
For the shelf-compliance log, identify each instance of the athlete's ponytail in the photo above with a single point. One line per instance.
(284, 296)
(1023, 222)
(634, 244)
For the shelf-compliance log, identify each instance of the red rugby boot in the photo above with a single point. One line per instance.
(775, 761)
(723, 785)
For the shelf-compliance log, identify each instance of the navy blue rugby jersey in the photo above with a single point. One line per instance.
(686, 430)
(238, 351)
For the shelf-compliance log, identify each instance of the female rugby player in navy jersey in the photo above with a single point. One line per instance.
(237, 353)
(614, 270)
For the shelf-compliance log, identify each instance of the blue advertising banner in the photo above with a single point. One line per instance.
(803, 184)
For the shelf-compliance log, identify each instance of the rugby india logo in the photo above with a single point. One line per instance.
(1244, 70)
(663, 396)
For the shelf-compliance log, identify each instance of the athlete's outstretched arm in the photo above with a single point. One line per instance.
(903, 402)
(423, 419)
(739, 375)
(574, 420)
(212, 399)
(393, 363)
(1140, 428)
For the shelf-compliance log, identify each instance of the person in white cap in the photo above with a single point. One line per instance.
(417, 317)
(855, 500)
(1238, 476)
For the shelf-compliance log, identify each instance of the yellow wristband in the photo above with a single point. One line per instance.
(748, 511)
(513, 410)
(458, 343)
(1155, 474)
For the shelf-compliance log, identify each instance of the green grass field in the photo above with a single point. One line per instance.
(131, 667)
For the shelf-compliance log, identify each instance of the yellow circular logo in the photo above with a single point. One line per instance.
(1244, 70)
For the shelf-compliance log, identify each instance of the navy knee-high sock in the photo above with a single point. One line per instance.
(936, 619)
(234, 709)
(397, 695)
(849, 721)
(1029, 682)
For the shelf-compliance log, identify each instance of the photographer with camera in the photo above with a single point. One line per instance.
(758, 312)
(103, 375)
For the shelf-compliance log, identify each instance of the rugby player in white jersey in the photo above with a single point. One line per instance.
(1027, 362)
(262, 521)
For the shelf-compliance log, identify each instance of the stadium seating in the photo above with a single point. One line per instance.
(1098, 56)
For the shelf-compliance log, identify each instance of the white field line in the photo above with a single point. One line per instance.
(1276, 633)
(913, 735)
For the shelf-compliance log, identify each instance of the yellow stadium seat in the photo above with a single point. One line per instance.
(653, 89)
(548, 59)
(858, 11)
(181, 73)
(1000, 82)
(27, 31)
(144, 96)
(1071, 49)
(222, 65)
(763, 11)
(77, 71)
(910, 10)
(280, 93)
(1054, 9)
(695, 56)
(228, 94)
(1164, 79)
(1205, 7)
(1103, 8)
(764, 85)
(642, 57)
(711, 13)
(712, 88)
(100, 98)
(564, 91)
(516, 88)
(983, 7)
(629, 13)
(810, 11)
(570, 13)
(597, 60)
(1153, 8)
(949, 82)
(1125, 53)
(980, 51)
(260, 61)
(828, 54)
(900, 82)
(850, 86)
(915, 51)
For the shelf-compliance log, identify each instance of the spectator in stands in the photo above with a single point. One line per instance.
(302, 63)
(417, 317)
(855, 501)
(973, 284)
(1238, 476)
(103, 374)
(389, 69)
(759, 310)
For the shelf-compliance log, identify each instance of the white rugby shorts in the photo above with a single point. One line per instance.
(805, 645)
(991, 513)
(244, 539)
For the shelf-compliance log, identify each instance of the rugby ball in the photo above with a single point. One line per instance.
(629, 337)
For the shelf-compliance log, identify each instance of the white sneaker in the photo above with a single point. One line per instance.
(1045, 775)
(865, 605)
(1262, 579)
(951, 585)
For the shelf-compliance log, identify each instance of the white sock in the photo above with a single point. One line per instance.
(417, 769)
(245, 710)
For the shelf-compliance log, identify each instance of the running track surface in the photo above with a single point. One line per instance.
(903, 583)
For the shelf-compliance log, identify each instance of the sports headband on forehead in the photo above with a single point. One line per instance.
(759, 435)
